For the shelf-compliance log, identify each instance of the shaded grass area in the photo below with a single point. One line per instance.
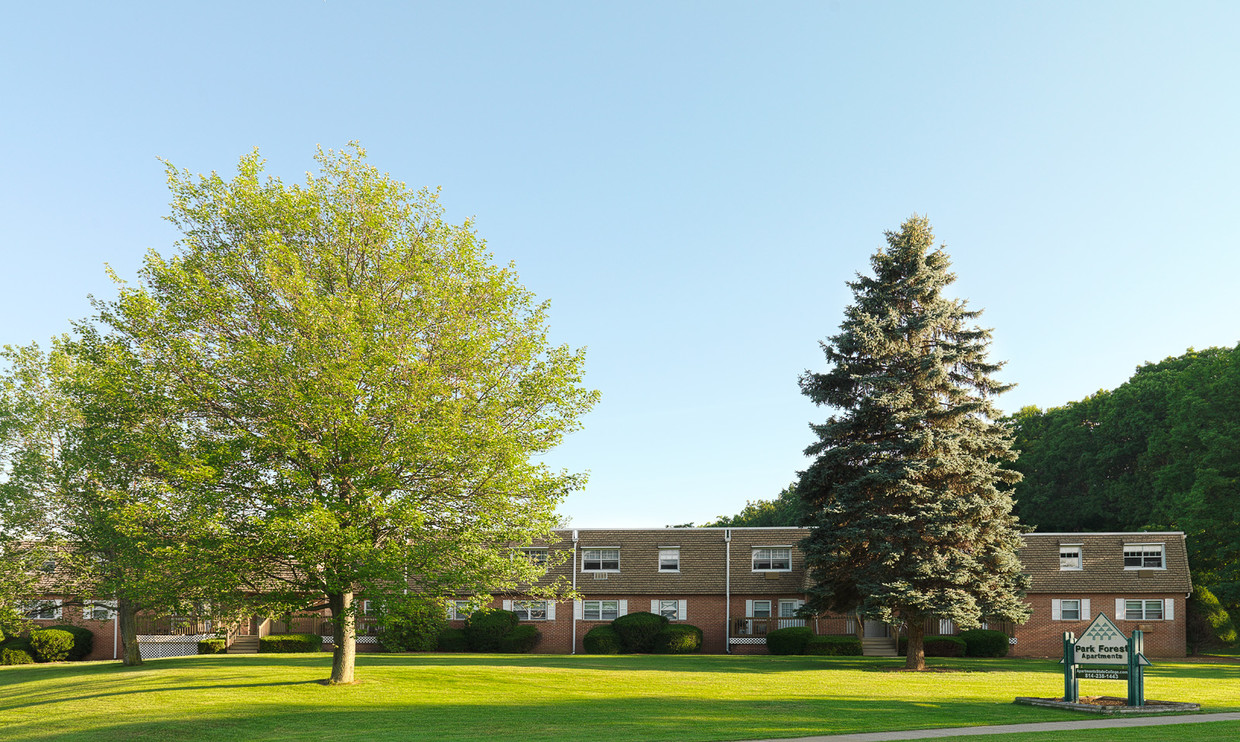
(1217, 731)
(481, 697)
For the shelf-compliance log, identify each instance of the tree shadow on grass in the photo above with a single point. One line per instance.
(617, 720)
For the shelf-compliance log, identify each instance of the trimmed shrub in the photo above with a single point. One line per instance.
(520, 640)
(678, 638)
(485, 628)
(1209, 626)
(51, 645)
(452, 640)
(10, 656)
(791, 640)
(83, 640)
(601, 640)
(411, 624)
(985, 643)
(936, 646)
(638, 630)
(838, 646)
(944, 646)
(211, 646)
(290, 643)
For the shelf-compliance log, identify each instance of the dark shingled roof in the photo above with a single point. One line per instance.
(1102, 557)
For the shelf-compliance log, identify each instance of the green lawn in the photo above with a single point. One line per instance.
(538, 697)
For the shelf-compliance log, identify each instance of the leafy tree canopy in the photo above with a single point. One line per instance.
(908, 506)
(1161, 451)
(370, 392)
(786, 509)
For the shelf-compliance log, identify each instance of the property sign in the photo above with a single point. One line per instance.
(1101, 644)
(1103, 674)
(1104, 644)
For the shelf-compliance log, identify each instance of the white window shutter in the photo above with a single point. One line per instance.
(1119, 608)
(622, 608)
(577, 609)
(550, 610)
(683, 612)
(1085, 614)
(1169, 609)
(1056, 609)
(748, 608)
(654, 606)
(508, 605)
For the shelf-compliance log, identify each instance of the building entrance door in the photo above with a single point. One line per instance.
(875, 629)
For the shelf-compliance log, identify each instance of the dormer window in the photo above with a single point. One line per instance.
(1143, 556)
(773, 559)
(535, 555)
(600, 560)
(1069, 556)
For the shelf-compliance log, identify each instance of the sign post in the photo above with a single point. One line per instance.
(1104, 644)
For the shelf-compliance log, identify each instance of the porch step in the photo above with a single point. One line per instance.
(244, 645)
(878, 646)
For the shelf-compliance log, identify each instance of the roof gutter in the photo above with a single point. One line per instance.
(574, 643)
(727, 590)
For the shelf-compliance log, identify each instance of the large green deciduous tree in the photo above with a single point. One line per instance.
(908, 506)
(93, 483)
(377, 390)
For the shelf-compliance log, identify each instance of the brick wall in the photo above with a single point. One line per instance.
(1042, 635)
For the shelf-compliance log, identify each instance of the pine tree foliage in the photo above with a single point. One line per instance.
(909, 506)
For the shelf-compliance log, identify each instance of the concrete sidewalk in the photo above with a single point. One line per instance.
(1048, 726)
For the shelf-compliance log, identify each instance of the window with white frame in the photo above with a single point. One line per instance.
(789, 608)
(1143, 610)
(600, 610)
(43, 610)
(670, 609)
(600, 560)
(460, 610)
(530, 610)
(761, 609)
(535, 555)
(99, 610)
(772, 559)
(1143, 556)
(669, 560)
(1070, 610)
(1069, 557)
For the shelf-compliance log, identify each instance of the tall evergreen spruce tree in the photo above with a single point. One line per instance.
(910, 512)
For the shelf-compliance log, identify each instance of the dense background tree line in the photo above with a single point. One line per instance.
(1161, 450)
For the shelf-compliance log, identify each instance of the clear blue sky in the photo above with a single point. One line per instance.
(690, 184)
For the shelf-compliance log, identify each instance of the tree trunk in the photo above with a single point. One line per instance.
(344, 635)
(916, 646)
(126, 613)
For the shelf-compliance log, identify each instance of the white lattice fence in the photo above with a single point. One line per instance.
(153, 646)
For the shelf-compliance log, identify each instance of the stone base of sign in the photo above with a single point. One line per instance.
(1111, 705)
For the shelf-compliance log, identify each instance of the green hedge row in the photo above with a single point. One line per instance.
(840, 646)
(801, 640)
(212, 646)
(49, 644)
(290, 643)
(973, 643)
(642, 632)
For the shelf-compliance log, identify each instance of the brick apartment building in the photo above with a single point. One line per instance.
(738, 584)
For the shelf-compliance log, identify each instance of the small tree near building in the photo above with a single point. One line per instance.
(908, 506)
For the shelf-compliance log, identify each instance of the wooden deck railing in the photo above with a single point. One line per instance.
(754, 627)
